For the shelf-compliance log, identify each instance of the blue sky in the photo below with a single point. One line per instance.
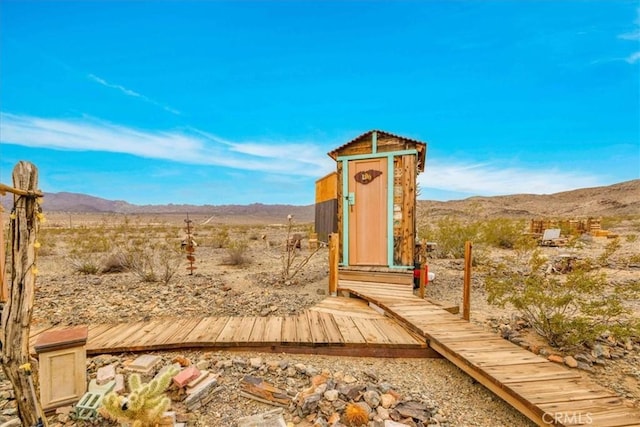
(215, 102)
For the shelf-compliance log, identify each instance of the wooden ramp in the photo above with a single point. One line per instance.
(336, 326)
(545, 392)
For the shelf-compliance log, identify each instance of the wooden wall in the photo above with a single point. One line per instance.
(326, 214)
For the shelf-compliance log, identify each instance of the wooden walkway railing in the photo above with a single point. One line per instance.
(545, 392)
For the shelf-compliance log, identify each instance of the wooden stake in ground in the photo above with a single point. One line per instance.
(16, 316)
(466, 291)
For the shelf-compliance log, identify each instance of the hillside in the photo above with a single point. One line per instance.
(614, 200)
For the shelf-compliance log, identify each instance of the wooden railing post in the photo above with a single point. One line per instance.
(334, 240)
(423, 269)
(466, 291)
(16, 315)
(4, 290)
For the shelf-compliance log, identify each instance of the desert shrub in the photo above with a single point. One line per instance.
(115, 262)
(631, 238)
(504, 233)
(220, 238)
(450, 234)
(152, 261)
(85, 263)
(566, 310)
(237, 253)
(608, 252)
(292, 260)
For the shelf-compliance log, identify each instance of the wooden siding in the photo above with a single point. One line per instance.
(327, 188)
(326, 221)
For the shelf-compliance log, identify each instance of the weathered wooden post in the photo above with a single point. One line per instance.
(16, 316)
(334, 240)
(424, 273)
(4, 290)
(466, 292)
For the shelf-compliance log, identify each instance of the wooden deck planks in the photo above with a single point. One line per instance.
(535, 386)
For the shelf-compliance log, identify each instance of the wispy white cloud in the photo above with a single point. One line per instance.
(284, 163)
(489, 180)
(633, 35)
(189, 146)
(132, 93)
(633, 58)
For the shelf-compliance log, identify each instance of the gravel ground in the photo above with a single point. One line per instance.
(67, 298)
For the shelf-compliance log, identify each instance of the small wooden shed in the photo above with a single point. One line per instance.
(376, 188)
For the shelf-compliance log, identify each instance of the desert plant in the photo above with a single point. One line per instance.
(144, 405)
(451, 233)
(220, 238)
(236, 252)
(292, 261)
(504, 233)
(355, 415)
(566, 310)
(152, 261)
(609, 250)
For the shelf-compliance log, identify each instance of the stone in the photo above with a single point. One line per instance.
(310, 403)
(185, 376)
(144, 364)
(372, 398)
(387, 400)
(556, 358)
(272, 418)
(196, 381)
(570, 362)
(119, 387)
(105, 374)
(414, 410)
(200, 392)
(383, 413)
(255, 362)
(331, 395)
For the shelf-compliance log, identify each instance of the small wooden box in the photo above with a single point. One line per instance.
(62, 370)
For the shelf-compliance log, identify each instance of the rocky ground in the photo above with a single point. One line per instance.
(434, 391)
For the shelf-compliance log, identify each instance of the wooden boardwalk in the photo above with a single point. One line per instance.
(545, 392)
(387, 320)
(335, 326)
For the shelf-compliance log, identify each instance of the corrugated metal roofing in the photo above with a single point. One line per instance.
(422, 153)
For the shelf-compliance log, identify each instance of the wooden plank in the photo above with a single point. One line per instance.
(349, 331)
(529, 372)
(316, 327)
(111, 335)
(258, 330)
(161, 333)
(397, 335)
(371, 333)
(303, 329)
(331, 328)
(228, 333)
(179, 337)
(244, 330)
(145, 329)
(515, 356)
(118, 337)
(289, 329)
(273, 331)
(206, 331)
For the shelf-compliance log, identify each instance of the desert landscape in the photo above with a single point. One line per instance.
(241, 271)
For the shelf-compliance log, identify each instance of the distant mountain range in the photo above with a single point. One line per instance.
(617, 199)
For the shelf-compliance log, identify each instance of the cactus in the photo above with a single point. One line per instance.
(145, 404)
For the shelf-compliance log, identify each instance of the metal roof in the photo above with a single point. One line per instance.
(421, 152)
